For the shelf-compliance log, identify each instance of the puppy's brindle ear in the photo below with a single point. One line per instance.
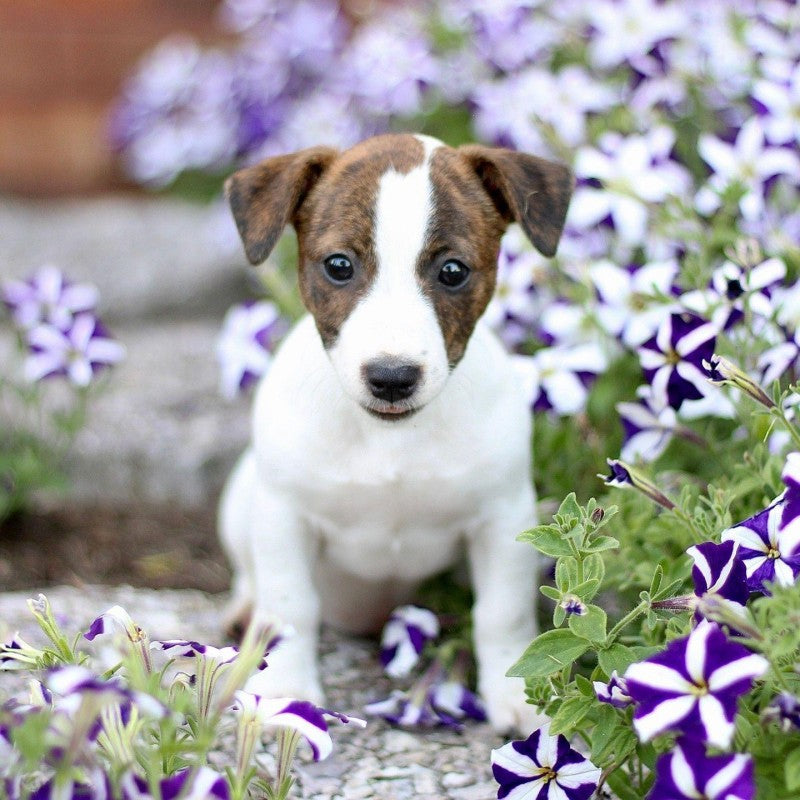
(266, 197)
(526, 189)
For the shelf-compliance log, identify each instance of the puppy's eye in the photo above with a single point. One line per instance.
(338, 268)
(453, 274)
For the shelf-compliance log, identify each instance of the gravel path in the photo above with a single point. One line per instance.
(376, 762)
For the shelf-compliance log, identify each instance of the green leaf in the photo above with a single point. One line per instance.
(620, 783)
(617, 657)
(608, 722)
(569, 508)
(791, 770)
(594, 568)
(546, 540)
(591, 625)
(586, 590)
(584, 685)
(566, 573)
(601, 543)
(570, 714)
(658, 576)
(548, 653)
(551, 592)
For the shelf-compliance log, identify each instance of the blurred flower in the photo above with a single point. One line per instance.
(615, 692)
(634, 300)
(558, 102)
(573, 605)
(634, 172)
(404, 638)
(749, 163)
(785, 710)
(779, 102)
(686, 773)
(117, 619)
(249, 334)
(191, 783)
(649, 426)
(18, 654)
(543, 766)
(557, 378)
(389, 65)
(177, 112)
(78, 352)
(47, 297)
(453, 702)
(627, 31)
(693, 686)
(96, 786)
(672, 360)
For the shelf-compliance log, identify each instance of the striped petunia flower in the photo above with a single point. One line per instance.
(198, 783)
(672, 360)
(719, 570)
(614, 692)
(693, 686)
(404, 637)
(648, 428)
(687, 773)
(768, 555)
(543, 767)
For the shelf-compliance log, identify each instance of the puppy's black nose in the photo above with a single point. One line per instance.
(391, 381)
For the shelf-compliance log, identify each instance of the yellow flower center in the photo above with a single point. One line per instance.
(773, 553)
(672, 357)
(699, 689)
(547, 774)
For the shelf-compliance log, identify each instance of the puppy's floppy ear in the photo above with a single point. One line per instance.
(266, 197)
(526, 189)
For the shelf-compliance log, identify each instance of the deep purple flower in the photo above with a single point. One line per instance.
(404, 637)
(544, 767)
(453, 702)
(648, 428)
(402, 709)
(573, 605)
(78, 352)
(718, 569)
(672, 360)
(623, 476)
(790, 519)
(686, 772)
(97, 788)
(47, 297)
(199, 783)
(693, 686)
(615, 692)
(785, 710)
(768, 554)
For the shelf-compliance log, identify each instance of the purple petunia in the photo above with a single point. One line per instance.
(614, 692)
(404, 637)
(672, 360)
(767, 554)
(249, 334)
(648, 427)
(47, 297)
(693, 686)
(718, 569)
(78, 352)
(686, 773)
(200, 783)
(545, 767)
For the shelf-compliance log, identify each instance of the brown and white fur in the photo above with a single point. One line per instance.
(348, 496)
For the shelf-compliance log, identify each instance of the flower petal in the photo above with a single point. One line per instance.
(663, 716)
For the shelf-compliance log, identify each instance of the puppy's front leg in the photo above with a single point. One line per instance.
(503, 617)
(281, 553)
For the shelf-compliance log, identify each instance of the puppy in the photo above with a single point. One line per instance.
(391, 432)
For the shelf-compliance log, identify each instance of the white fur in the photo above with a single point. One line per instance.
(336, 515)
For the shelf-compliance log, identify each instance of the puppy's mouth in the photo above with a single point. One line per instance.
(391, 412)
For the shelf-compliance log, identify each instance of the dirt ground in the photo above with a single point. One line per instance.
(145, 547)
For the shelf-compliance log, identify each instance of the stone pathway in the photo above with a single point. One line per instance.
(377, 762)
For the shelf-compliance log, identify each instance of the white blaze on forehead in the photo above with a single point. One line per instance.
(395, 317)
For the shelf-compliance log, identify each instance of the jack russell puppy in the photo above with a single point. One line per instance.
(391, 433)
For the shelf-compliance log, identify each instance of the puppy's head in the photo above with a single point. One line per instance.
(398, 242)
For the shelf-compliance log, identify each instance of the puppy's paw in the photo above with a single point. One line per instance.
(507, 708)
(298, 682)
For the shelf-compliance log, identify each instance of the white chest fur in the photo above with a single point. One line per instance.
(373, 490)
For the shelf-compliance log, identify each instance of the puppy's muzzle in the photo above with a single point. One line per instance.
(391, 381)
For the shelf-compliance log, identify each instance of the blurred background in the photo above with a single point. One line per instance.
(119, 120)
